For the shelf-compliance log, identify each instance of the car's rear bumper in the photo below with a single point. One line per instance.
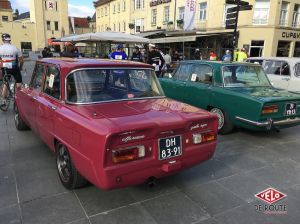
(269, 124)
(138, 172)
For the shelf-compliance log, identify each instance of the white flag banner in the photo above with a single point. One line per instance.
(73, 23)
(189, 15)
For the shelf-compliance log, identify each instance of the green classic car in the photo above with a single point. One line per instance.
(239, 93)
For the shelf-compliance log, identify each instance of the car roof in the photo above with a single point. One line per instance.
(72, 63)
(217, 63)
(291, 59)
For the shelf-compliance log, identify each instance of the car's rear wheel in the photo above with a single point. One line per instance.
(67, 172)
(225, 125)
(19, 122)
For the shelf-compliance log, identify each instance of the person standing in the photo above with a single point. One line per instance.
(197, 54)
(212, 56)
(242, 55)
(168, 60)
(137, 55)
(155, 58)
(119, 54)
(227, 56)
(11, 60)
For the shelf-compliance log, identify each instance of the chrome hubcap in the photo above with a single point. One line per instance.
(220, 116)
(63, 164)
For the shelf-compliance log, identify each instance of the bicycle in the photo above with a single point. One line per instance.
(7, 81)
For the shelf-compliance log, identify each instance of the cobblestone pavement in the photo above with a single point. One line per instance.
(219, 191)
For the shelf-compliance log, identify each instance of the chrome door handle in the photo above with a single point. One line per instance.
(52, 107)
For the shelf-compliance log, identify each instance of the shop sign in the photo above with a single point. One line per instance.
(158, 2)
(293, 35)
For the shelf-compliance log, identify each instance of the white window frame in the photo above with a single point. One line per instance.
(296, 17)
(166, 14)
(153, 16)
(261, 8)
(202, 11)
(283, 20)
(261, 47)
(181, 12)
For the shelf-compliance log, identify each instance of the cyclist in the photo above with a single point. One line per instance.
(12, 60)
(119, 54)
(156, 59)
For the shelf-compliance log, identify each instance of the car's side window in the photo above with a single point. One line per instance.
(285, 69)
(297, 70)
(183, 72)
(201, 74)
(36, 82)
(276, 67)
(52, 82)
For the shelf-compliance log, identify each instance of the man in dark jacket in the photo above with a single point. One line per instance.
(156, 59)
(137, 55)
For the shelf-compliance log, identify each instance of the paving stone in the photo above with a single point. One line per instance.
(210, 170)
(39, 183)
(10, 215)
(134, 214)
(96, 201)
(8, 193)
(57, 209)
(175, 208)
(245, 214)
(214, 198)
(244, 185)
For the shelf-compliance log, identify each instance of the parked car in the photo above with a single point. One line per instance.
(110, 123)
(284, 73)
(239, 93)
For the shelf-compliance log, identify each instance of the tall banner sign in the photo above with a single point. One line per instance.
(189, 15)
(73, 23)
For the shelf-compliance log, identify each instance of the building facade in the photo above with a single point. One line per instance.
(271, 28)
(47, 19)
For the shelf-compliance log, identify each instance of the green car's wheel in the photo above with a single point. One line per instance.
(225, 126)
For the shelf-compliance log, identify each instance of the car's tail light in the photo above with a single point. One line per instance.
(128, 154)
(204, 137)
(270, 109)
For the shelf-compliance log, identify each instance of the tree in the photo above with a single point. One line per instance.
(16, 13)
(89, 19)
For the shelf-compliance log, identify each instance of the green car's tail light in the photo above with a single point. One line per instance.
(270, 109)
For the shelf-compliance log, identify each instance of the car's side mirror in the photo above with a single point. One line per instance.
(168, 75)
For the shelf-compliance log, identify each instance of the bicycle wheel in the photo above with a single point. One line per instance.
(5, 102)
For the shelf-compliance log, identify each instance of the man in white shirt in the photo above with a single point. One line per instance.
(12, 60)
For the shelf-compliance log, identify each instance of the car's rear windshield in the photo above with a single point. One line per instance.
(98, 85)
(244, 76)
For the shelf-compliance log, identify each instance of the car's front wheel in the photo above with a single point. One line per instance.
(225, 125)
(67, 172)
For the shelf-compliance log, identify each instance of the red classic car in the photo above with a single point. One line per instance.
(109, 122)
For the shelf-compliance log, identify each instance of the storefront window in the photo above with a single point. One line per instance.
(283, 48)
(256, 48)
(297, 50)
(296, 17)
(261, 12)
(181, 13)
(202, 9)
(284, 14)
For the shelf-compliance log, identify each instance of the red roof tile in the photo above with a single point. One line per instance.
(5, 4)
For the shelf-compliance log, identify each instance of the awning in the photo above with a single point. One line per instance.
(113, 37)
(150, 33)
(173, 39)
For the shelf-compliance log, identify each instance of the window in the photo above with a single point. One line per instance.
(261, 12)
(274, 67)
(124, 26)
(202, 74)
(202, 11)
(139, 4)
(297, 70)
(227, 6)
(139, 25)
(114, 27)
(119, 7)
(296, 17)
(166, 13)
(27, 46)
(56, 26)
(48, 25)
(4, 18)
(119, 27)
(297, 49)
(256, 48)
(283, 48)
(52, 82)
(101, 12)
(106, 11)
(181, 13)
(153, 16)
(124, 5)
(284, 14)
(36, 82)
(114, 8)
(183, 72)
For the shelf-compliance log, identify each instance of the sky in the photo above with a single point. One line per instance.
(79, 8)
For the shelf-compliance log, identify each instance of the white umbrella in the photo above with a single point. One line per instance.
(108, 36)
